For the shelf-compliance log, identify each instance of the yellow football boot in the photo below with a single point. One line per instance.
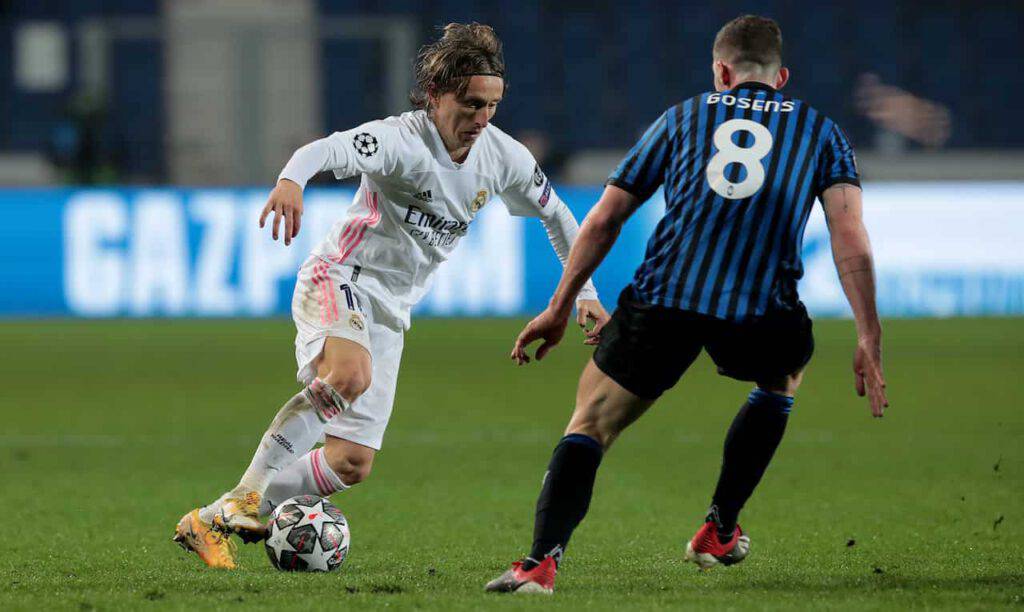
(241, 516)
(214, 547)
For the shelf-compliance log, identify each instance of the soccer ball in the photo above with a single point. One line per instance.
(307, 534)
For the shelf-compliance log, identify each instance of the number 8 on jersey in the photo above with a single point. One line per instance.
(730, 153)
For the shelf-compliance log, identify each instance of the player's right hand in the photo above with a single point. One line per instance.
(285, 201)
(867, 372)
(548, 326)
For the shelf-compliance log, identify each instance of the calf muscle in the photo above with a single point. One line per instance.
(603, 407)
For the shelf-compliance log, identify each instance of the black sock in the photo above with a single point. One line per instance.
(754, 435)
(565, 495)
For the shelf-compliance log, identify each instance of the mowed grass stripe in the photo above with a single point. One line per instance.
(113, 429)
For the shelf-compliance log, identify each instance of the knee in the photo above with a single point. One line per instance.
(604, 436)
(351, 467)
(786, 385)
(350, 380)
(591, 422)
(352, 473)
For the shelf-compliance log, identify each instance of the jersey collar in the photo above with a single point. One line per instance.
(753, 85)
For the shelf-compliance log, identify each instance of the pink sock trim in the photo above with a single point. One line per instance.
(318, 475)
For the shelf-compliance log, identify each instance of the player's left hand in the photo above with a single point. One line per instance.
(867, 371)
(591, 310)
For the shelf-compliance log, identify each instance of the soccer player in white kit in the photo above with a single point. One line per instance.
(424, 177)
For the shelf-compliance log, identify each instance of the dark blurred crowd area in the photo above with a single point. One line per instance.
(899, 77)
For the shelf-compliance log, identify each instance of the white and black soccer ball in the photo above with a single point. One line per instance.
(307, 534)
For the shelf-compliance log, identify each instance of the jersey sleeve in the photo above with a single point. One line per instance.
(527, 191)
(370, 149)
(643, 169)
(837, 163)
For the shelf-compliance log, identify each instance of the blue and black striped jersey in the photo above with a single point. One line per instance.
(741, 170)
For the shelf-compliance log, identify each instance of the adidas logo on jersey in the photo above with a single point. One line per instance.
(424, 196)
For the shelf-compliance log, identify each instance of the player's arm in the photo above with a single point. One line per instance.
(596, 237)
(368, 149)
(631, 183)
(563, 231)
(851, 251)
(528, 193)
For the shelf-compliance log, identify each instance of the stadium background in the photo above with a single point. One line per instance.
(135, 98)
(138, 138)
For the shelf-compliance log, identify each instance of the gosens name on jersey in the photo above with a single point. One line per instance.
(741, 170)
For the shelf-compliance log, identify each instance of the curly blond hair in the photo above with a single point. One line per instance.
(445, 65)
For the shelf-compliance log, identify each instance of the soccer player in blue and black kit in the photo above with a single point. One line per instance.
(741, 168)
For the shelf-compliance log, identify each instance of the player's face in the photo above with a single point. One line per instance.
(461, 119)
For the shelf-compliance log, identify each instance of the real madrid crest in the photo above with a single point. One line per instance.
(356, 322)
(479, 201)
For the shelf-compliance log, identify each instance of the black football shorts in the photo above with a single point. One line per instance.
(646, 348)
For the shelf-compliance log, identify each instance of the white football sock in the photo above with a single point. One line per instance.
(206, 513)
(296, 428)
(310, 475)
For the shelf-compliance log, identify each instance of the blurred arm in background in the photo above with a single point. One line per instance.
(851, 251)
(900, 112)
(550, 156)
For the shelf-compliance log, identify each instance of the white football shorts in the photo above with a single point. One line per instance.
(327, 303)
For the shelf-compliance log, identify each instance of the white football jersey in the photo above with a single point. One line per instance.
(414, 203)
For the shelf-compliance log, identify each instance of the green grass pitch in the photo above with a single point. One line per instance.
(112, 430)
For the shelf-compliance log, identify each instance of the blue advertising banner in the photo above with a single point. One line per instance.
(942, 249)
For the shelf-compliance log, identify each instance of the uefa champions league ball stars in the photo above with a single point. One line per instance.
(307, 534)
